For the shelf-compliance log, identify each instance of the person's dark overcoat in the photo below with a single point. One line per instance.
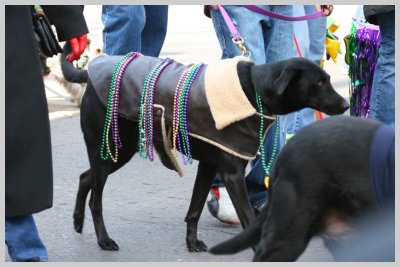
(371, 11)
(28, 159)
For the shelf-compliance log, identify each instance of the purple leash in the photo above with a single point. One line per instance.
(282, 17)
(238, 39)
(229, 23)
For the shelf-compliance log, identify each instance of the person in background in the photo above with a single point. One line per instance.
(134, 28)
(382, 90)
(269, 40)
(312, 46)
(28, 157)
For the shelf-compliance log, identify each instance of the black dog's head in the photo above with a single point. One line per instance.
(296, 83)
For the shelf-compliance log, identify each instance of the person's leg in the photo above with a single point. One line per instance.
(23, 241)
(279, 44)
(255, 178)
(312, 45)
(248, 25)
(317, 34)
(155, 29)
(314, 50)
(382, 91)
(301, 33)
(123, 26)
(293, 122)
(278, 35)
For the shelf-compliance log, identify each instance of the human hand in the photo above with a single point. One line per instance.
(326, 9)
(78, 46)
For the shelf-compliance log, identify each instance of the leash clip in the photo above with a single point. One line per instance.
(240, 44)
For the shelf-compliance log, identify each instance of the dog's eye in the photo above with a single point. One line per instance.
(320, 83)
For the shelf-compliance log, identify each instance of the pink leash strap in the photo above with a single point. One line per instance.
(282, 17)
(235, 34)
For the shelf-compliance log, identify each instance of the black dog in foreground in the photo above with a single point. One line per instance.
(284, 87)
(322, 182)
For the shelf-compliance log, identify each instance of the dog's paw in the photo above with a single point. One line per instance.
(78, 223)
(196, 246)
(108, 244)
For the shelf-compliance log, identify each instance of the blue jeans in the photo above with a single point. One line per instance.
(301, 32)
(317, 36)
(255, 178)
(291, 123)
(135, 28)
(268, 39)
(382, 91)
(22, 239)
(312, 46)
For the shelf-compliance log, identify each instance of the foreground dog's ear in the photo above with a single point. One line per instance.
(273, 77)
(282, 81)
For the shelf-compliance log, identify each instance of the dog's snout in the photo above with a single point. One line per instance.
(346, 106)
(336, 107)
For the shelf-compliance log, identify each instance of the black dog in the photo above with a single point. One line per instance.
(284, 87)
(320, 184)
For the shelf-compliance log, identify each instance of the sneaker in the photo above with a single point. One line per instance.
(220, 206)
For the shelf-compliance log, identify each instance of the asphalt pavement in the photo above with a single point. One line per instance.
(144, 203)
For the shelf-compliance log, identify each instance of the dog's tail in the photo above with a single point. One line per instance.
(248, 238)
(70, 73)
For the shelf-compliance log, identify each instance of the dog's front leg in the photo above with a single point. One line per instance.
(205, 177)
(233, 176)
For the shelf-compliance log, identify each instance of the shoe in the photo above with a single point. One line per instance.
(220, 206)
(33, 260)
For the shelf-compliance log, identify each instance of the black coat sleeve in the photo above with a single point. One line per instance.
(370, 12)
(68, 20)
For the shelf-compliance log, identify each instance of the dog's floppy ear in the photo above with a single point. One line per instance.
(282, 81)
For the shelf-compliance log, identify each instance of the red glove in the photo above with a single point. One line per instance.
(78, 46)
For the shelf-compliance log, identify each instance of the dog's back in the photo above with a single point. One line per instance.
(336, 148)
(320, 176)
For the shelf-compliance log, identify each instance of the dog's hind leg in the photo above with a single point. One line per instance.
(288, 226)
(249, 237)
(96, 206)
(92, 121)
(100, 171)
(205, 176)
(85, 184)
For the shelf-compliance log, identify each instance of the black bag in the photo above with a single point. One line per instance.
(48, 43)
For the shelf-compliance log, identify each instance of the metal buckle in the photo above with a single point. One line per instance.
(240, 44)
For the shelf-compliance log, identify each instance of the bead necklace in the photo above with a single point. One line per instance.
(267, 167)
(111, 120)
(176, 129)
(146, 110)
(175, 119)
(180, 128)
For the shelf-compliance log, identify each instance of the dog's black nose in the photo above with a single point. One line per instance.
(346, 106)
